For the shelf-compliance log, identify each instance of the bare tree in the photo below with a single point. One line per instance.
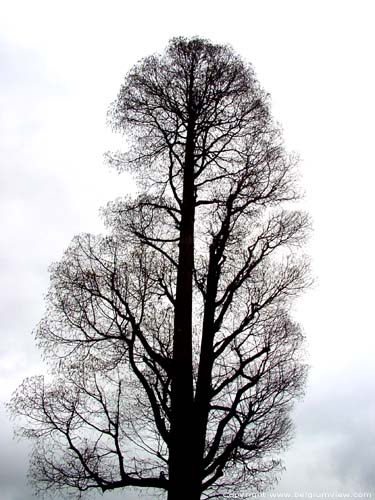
(174, 357)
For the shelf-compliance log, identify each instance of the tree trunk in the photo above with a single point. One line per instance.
(202, 396)
(184, 483)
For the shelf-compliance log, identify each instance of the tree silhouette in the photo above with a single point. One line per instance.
(174, 358)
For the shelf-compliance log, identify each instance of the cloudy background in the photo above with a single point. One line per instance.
(61, 64)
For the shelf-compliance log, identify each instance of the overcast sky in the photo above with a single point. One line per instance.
(61, 64)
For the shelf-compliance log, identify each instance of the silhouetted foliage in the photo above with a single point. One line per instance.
(175, 361)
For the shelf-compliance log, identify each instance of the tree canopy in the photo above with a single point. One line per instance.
(174, 356)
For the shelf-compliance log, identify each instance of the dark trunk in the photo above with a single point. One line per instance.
(183, 483)
(203, 390)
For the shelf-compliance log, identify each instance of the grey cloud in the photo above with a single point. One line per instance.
(13, 464)
(334, 448)
(353, 455)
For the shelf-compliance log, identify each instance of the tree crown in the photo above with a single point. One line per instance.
(180, 313)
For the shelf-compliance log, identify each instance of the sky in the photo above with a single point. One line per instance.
(61, 65)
